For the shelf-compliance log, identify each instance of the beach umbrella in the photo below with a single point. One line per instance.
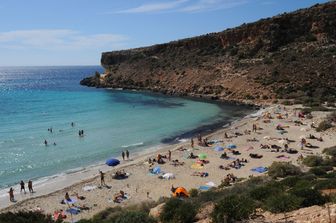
(231, 146)
(202, 156)
(218, 148)
(112, 162)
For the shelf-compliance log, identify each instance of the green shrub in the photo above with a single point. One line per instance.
(318, 171)
(107, 215)
(282, 169)
(312, 161)
(309, 197)
(282, 203)
(179, 211)
(325, 184)
(261, 193)
(134, 216)
(324, 125)
(232, 209)
(25, 217)
(330, 175)
(193, 192)
(331, 151)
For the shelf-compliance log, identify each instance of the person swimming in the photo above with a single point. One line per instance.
(45, 142)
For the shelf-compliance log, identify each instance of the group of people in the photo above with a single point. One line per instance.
(80, 133)
(22, 188)
(230, 178)
(125, 153)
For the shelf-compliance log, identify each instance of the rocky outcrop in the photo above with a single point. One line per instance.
(292, 55)
(156, 211)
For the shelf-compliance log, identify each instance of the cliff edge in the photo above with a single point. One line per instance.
(289, 56)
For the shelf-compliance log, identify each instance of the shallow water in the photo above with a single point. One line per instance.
(33, 99)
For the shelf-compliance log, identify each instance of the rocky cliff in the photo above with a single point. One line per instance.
(289, 56)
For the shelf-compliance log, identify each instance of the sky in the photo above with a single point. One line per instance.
(76, 32)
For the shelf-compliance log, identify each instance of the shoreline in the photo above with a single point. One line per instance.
(142, 186)
(52, 184)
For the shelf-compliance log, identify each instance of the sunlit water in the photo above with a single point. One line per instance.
(33, 99)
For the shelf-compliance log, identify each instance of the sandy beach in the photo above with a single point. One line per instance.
(141, 185)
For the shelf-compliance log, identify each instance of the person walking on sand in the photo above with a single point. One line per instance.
(11, 195)
(123, 155)
(30, 186)
(22, 185)
(127, 154)
(169, 155)
(192, 142)
(102, 178)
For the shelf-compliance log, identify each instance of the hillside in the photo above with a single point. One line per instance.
(290, 56)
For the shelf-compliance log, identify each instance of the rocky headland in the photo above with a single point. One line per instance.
(291, 56)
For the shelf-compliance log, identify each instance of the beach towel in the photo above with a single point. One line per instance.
(283, 157)
(73, 210)
(71, 201)
(204, 188)
(231, 146)
(250, 148)
(89, 188)
(218, 148)
(168, 176)
(259, 169)
(156, 170)
(210, 184)
(196, 166)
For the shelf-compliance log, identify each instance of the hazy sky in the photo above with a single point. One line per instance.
(75, 32)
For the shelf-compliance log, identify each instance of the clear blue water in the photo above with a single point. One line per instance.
(33, 99)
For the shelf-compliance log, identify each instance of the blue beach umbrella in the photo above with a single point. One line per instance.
(112, 162)
(231, 146)
(218, 148)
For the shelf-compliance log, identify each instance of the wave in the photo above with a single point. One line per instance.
(182, 140)
(133, 145)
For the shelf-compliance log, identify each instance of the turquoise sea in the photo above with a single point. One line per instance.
(33, 99)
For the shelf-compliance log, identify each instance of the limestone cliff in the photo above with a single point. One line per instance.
(292, 55)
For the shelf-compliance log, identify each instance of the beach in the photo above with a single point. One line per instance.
(141, 185)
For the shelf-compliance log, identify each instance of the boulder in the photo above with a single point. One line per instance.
(156, 211)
